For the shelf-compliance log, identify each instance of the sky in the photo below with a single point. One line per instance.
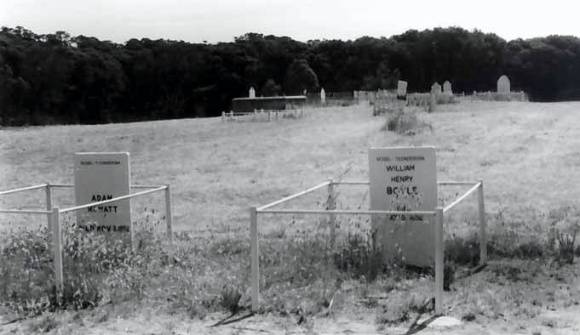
(221, 20)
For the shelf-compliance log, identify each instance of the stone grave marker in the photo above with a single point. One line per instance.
(447, 88)
(102, 176)
(503, 85)
(436, 88)
(401, 89)
(404, 179)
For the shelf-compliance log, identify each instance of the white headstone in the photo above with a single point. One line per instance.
(252, 93)
(401, 88)
(98, 177)
(404, 179)
(436, 88)
(447, 88)
(503, 84)
(322, 96)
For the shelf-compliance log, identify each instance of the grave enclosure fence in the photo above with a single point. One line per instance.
(332, 212)
(54, 217)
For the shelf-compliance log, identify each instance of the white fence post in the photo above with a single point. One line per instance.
(439, 261)
(169, 213)
(482, 227)
(255, 258)
(332, 217)
(57, 252)
(48, 202)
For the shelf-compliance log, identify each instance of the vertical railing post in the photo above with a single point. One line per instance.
(168, 213)
(255, 258)
(482, 226)
(48, 202)
(57, 252)
(439, 261)
(332, 217)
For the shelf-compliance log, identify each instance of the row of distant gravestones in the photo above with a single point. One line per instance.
(503, 86)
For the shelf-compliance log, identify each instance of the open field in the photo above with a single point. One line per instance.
(526, 154)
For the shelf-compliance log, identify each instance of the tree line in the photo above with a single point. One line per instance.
(61, 79)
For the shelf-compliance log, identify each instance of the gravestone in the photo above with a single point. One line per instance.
(503, 85)
(252, 93)
(98, 177)
(322, 96)
(401, 89)
(436, 88)
(447, 88)
(404, 179)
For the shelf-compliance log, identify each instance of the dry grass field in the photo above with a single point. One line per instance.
(526, 154)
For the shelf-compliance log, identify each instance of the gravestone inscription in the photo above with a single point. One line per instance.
(99, 177)
(404, 179)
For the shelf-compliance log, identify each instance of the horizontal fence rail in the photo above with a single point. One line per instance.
(442, 183)
(437, 213)
(71, 186)
(22, 189)
(294, 196)
(465, 195)
(128, 196)
(23, 211)
(342, 211)
(47, 187)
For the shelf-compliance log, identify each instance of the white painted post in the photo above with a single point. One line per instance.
(48, 202)
(439, 261)
(482, 227)
(255, 258)
(57, 252)
(169, 213)
(332, 217)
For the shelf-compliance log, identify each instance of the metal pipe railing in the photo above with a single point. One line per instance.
(438, 214)
(465, 195)
(128, 196)
(312, 189)
(22, 189)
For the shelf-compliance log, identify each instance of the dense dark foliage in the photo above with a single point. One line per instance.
(56, 78)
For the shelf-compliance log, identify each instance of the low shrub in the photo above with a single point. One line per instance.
(462, 251)
(360, 258)
(566, 244)
(403, 122)
(95, 268)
